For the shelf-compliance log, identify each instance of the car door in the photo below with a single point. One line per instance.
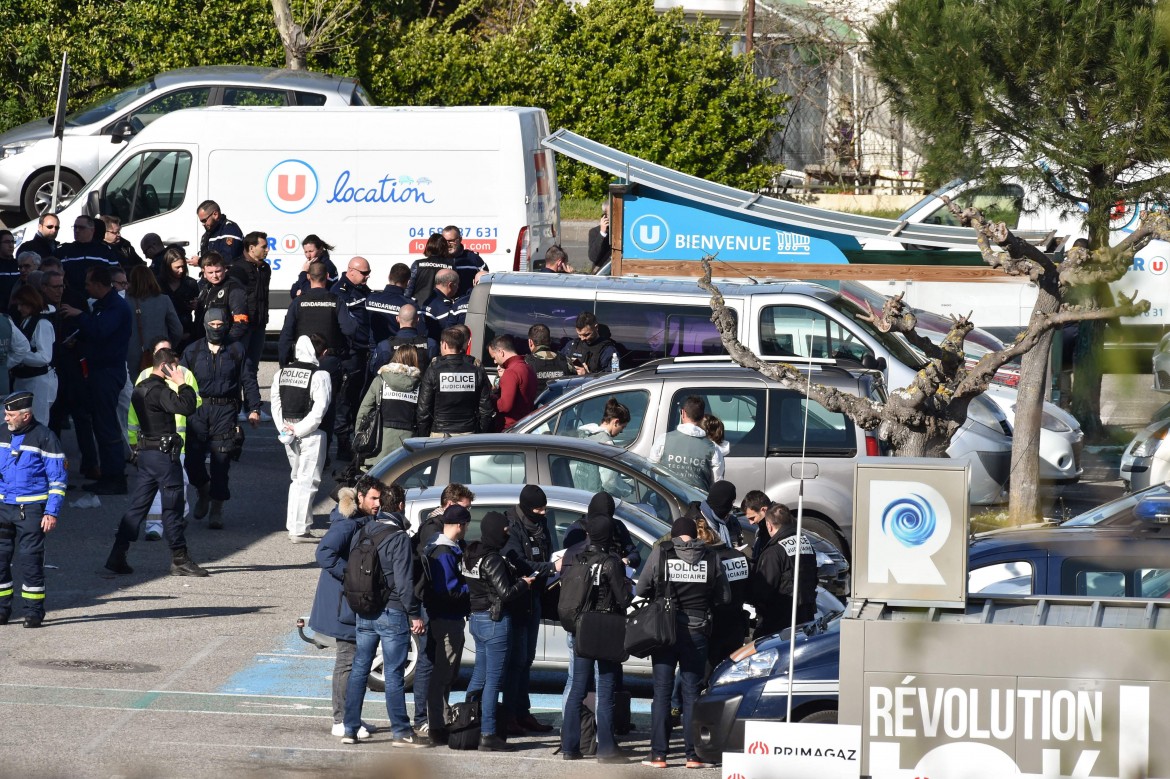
(150, 193)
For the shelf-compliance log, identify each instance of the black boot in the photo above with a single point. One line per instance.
(182, 565)
(493, 743)
(116, 562)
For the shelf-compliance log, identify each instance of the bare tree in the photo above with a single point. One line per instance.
(920, 419)
(324, 27)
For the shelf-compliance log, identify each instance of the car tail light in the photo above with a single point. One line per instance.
(872, 448)
(520, 258)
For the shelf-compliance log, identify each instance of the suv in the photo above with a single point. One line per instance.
(764, 425)
(93, 134)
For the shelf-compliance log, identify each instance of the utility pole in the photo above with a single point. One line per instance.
(750, 32)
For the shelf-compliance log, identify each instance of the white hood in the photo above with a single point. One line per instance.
(304, 350)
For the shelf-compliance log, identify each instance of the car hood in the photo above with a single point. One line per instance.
(35, 130)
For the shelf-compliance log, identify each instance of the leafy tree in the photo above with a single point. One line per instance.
(1069, 95)
(651, 84)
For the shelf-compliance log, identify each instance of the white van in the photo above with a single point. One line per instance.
(371, 181)
(1006, 308)
(653, 318)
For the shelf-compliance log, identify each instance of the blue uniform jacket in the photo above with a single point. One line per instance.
(224, 238)
(106, 331)
(32, 468)
(440, 312)
(383, 351)
(468, 265)
(382, 309)
(331, 614)
(354, 297)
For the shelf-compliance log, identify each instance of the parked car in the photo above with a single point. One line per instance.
(1118, 550)
(1145, 461)
(506, 458)
(565, 506)
(93, 134)
(764, 426)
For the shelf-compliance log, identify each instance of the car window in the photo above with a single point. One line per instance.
(590, 411)
(147, 185)
(830, 433)
(651, 331)
(796, 331)
(488, 468)
(585, 474)
(1153, 582)
(420, 476)
(250, 96)
(742, 411)
(513, 315)
(195, 97)
(1100, 584)
(999, 203)
(1010, 578)
(309, 98)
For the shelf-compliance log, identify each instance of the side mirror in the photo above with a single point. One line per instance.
(121, 131)
(93, 203)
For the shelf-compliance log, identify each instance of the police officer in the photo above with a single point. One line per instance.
(221, 369)
(32, 483)
(220, 234)
(687, 452)
(105, 332)
(689, 571)
(158, 464)
(422, 271)
(301, 392)
(774, 583)
(549, 365)
(440, 310)
(217, 289)
(316, 311)
(755, 506)
(455, 397)
(87, 250)
(467, 264)
(352, 291)
(252, 272)
(589, 352)
(382, 307)
(408, 335)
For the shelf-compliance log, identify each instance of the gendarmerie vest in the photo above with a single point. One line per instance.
(689, 458)
(421, 345)
(317, 311)
(693, 585)
(590, 354)
(549, 369)
(29, 371)
(295, 381)
(398, 407)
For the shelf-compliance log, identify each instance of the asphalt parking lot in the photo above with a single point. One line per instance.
(150, 675)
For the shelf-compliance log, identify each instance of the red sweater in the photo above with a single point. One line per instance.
(516, 396)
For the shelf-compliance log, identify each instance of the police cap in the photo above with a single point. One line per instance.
(18, 401)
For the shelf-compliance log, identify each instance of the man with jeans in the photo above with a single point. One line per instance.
(448, 605)
(392, 627)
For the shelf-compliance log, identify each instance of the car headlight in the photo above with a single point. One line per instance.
(12, 149)
(981, 411)
(1148, 446)
(756, 665)
(1050, 421)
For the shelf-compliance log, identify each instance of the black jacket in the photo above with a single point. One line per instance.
(454, 397)
(623, 542)
(530, 546)
(492, 583)
(256, 280)
(772, 585)
(612, 593)
(231, 297)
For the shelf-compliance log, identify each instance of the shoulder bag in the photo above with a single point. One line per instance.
(652, 624)
(600, 634)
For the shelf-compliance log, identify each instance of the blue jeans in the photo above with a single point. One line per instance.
(689, 653)
(423, 666)
(392, 629)
(521, 656)
(603, 709)
(491, 653)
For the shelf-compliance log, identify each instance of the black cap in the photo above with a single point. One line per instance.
(18, 401)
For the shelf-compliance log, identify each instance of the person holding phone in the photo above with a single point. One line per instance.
(156, 401)
(599, 245)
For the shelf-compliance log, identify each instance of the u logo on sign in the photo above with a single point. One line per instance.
(649, 233)
(291, 186)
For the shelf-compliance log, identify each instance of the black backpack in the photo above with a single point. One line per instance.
(364, 583)
(576, 584)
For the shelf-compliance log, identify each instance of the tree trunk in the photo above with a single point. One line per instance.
(1085, 399)
(1024, 489)
(291, 35)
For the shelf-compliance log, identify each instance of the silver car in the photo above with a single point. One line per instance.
(94, 133)
(1146, 461)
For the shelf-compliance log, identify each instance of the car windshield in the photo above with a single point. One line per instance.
(682, 491)
(893, 342)
(107, 107)
(1118, 512)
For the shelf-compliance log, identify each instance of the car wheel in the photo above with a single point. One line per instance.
(377, 680)
(826, 717)
(828, 532)
(38, 195)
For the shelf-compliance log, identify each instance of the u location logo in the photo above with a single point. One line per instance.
(292, 186)
(758, 748)
(650, 233)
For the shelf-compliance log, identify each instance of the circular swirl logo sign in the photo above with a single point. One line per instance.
(911, 520)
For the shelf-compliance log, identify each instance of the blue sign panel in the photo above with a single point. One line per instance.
(661, 227)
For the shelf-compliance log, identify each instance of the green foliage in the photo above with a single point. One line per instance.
(615, 71)
(1075, 91)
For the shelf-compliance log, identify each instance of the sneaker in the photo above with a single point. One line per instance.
(364, 732)
(349, 738)
(698, 764)
(655, 762)
(154, 529)
(423, 730)
(410, 742)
